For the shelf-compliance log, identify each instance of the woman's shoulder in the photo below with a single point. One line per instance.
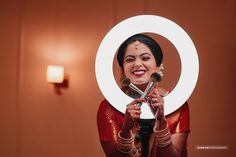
(107, 115)
(105, 105)
(107, 108)
(183, 109)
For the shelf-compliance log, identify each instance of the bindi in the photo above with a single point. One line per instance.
(137, 45)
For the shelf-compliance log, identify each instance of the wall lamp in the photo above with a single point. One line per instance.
(56, 76)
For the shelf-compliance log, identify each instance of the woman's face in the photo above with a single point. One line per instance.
(139, 63)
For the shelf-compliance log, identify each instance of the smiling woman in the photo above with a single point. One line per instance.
(137, 60)
(139, 63)
(127, 134)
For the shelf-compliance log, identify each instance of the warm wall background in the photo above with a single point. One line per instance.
(36, 122)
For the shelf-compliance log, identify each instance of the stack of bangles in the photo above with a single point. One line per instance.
(163, 137)
(125, 145)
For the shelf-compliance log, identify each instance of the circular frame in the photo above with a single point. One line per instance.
(147, 24)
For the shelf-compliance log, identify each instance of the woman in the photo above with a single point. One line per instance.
(126, 135)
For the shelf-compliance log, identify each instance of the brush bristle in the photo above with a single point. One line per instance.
(155, 77)
(126, 82)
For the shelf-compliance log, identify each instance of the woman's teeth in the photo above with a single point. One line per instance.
(139, 72)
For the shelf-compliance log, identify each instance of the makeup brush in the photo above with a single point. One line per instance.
(155, 78)
(127, 83)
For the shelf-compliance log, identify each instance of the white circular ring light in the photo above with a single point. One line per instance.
(147, 24)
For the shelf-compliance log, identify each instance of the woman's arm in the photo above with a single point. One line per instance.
(165, 144)
(174, 149)
(110, 149)
(122, 144)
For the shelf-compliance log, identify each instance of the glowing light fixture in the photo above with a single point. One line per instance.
(55, 74)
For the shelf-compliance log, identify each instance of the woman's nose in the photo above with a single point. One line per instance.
(137, 63)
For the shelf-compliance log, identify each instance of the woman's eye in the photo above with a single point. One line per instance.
(145, 58)
(128, 60)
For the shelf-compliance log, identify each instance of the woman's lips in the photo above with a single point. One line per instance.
(139, 73)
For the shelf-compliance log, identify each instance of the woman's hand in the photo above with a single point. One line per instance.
(132, 114)
(157, 103)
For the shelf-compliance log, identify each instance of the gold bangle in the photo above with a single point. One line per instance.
(125, 139)
(162, 135)
(126, 142)
(162, 144)
(163, 140)
(124, 151)
(125, 145)
(160, 131)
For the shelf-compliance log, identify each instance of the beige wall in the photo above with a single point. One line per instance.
(36, 122)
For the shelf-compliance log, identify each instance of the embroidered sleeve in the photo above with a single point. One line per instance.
(106, 122)
(183, 122)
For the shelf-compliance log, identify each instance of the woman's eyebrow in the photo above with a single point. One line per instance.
(130, 56)
(145, 54)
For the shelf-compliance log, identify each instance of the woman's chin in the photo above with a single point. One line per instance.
(141, 85)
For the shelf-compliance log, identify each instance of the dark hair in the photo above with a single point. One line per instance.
(148, 41)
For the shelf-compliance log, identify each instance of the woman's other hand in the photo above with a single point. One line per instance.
(132, 114)
(155, 98)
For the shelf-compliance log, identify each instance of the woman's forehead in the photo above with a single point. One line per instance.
(137, 47)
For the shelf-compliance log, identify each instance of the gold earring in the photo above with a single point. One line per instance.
(159, 70)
